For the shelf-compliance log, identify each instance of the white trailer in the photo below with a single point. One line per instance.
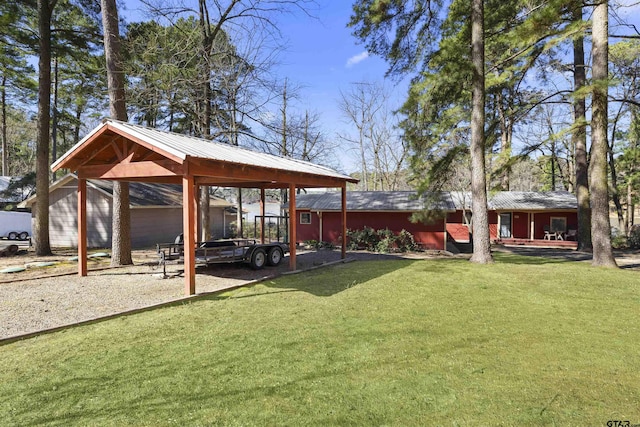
(15, 225)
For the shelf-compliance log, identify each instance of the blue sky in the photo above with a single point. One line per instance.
(322, 57)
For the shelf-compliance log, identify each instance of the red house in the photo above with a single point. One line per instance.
(519, 215)
(514, 216)
(318, 215)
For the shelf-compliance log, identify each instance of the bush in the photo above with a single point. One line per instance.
(634, 237)
(406, 242)
(383, 240)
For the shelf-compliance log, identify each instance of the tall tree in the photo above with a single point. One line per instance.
(41, 224)
(481, 239)
(16, 74)
(121, 220)
(598, 182)
(579, 137)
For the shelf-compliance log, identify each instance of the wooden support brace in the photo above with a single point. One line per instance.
(292, 227)
(82, 227)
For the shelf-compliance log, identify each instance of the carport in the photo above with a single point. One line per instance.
(121, 151)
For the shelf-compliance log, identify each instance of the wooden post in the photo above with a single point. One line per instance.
(292, 226)
(189, 232)
(200, 234)
(344, 220)
(262, 209)
(532, 225)
(82, 227)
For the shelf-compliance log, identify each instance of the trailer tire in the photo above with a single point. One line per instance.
(258, 259)
(23, 236)
(12, 235)
(274, 257)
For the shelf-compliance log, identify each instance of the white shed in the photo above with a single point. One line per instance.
(156, 213)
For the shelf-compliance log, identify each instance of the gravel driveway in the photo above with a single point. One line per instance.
(41, 300)
(45, 299)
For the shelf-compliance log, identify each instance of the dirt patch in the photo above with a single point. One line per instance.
(61, 261)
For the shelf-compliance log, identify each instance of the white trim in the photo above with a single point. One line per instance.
(305, 213)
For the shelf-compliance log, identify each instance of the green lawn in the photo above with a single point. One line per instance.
(526, 341)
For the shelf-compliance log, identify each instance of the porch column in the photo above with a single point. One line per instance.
(82, 227)
(344, 220)
(532, 225)
(262, 209)
(293, 219)
(189, 209)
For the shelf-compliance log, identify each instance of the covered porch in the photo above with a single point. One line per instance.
(121, 151)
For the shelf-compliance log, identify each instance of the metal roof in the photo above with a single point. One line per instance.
(404, 201)
(184, 146)
(520, 200)
(532, 201)
(141, 194)
(445, 201)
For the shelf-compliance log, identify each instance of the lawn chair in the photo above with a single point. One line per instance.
(547, 233)
(571, 235)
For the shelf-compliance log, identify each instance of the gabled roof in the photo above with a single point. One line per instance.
(402, 201)
(444, 201)
(111, 143)
(141, 194)
(532, 201)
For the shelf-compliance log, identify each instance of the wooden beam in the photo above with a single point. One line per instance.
(189, 230)
(292, 227)
(131, 171)
(82, 227)
(249, 173)
(262, 209)
(344, 220)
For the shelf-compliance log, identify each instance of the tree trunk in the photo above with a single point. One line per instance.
(598, 183)
(41, 225)
(5, 157)
(481, 237)
(615, 195)
(121, 219)
(628, 220)
(579, 139)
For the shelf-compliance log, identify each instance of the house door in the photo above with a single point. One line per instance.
(505, 225)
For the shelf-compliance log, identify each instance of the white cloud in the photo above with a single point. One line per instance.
(357, 59)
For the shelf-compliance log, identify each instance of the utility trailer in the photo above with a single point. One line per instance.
(248, 251)
(15, 225)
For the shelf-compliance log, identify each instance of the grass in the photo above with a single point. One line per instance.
(525, 341)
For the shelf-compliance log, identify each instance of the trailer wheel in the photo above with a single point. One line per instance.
(12, 235)
(258, 259)
(23, 236)
(274, 257)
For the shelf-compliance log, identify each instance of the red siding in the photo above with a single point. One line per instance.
(460, 233)
(493, 225)
(544, 219)
(430, 236)
(456, 228)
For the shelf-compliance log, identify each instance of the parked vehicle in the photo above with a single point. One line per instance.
(248, 251)
(15, 225)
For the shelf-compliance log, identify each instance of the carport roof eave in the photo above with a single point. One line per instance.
(105, 126)
(165, 143)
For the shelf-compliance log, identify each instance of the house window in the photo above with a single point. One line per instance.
(558, 223)
(305, 217)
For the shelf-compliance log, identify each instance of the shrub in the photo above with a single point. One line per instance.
(383, 240)
(405, 241)
(634, 237)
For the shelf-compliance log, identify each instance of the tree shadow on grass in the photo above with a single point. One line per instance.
(325, 281)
